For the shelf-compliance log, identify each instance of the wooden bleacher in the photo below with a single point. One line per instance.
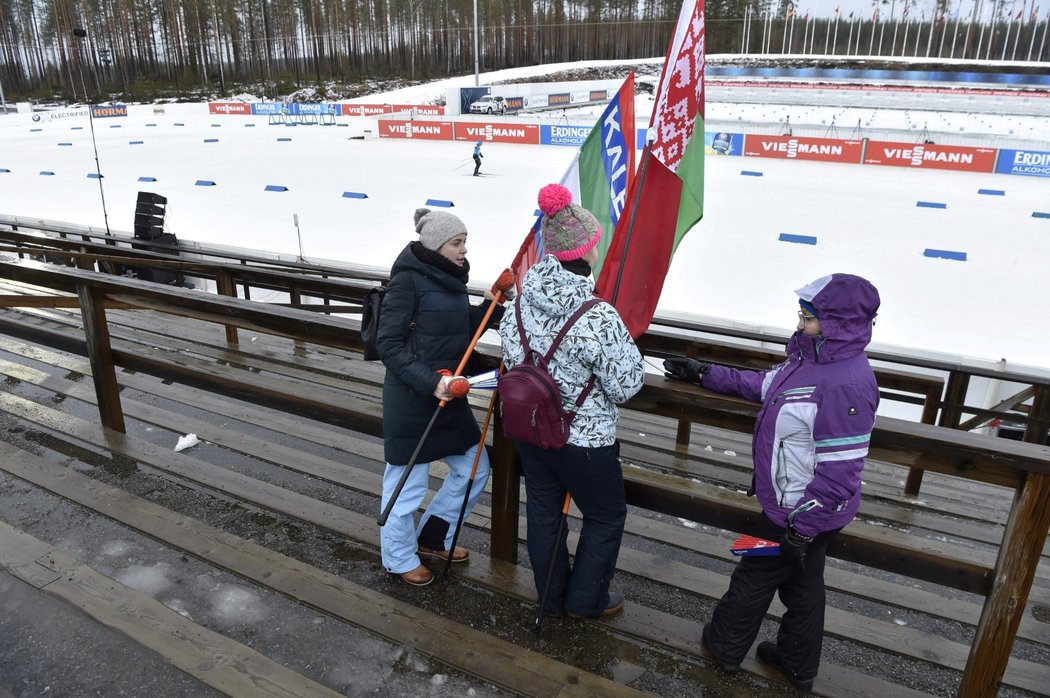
(932, 553)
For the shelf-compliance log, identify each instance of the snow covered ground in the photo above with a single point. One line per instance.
(731, 266)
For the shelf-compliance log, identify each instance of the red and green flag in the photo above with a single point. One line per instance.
(666, 199)
(599, 176)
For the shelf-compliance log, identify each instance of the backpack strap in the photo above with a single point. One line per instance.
(545, 358)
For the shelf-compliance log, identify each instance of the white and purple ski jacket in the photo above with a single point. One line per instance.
(818, 409)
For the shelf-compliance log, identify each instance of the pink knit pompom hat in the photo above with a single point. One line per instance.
(569, 230)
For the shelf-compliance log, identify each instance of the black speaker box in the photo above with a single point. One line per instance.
(150, 209)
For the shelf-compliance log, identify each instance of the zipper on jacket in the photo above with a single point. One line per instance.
(780, 479)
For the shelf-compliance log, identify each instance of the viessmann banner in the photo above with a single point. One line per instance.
(930, 156)
(241, 108)
(800, 148)
(417, 130)
(528, 134)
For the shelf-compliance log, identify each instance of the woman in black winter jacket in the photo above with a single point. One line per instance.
(425, 326)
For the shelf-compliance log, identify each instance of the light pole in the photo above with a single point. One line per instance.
(80, 34)
(476, 43)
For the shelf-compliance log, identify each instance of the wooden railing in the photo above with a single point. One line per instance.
(1025, 467)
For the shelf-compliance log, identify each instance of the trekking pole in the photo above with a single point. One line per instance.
(554, 557)
(497, 294)
(470, 483)
(461, 164)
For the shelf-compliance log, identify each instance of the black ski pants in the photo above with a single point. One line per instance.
(477, 163)
(595, 479)
(738, 616)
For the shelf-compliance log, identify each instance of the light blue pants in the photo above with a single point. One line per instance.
(398, 537)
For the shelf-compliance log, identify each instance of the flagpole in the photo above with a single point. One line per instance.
(1006, 40)
(743, 31)
(1035, 28)
(1016, 38)
(896, 27)
(1042, 42)
(874, 21)
(849, 41)
(929, 39)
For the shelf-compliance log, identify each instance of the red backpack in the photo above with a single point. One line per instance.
(530, 400)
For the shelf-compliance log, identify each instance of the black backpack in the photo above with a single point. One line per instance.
(370, 311)
(529, 398)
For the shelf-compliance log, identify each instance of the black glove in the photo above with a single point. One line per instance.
(793, 547)
(681, 368)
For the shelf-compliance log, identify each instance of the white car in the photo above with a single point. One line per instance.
(489, 104)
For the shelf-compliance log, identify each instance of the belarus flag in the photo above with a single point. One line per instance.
(599, 177)
(667, 196)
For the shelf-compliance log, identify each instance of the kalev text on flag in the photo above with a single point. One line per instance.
(667, 196)
(599, 176)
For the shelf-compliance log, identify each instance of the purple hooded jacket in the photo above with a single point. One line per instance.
(818, 409)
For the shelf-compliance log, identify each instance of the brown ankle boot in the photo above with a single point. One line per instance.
(419, 577)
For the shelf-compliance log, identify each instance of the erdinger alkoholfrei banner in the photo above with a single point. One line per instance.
(930, 156)
(1031, 163)
(801, 148)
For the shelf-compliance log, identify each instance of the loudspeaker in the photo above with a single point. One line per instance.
(149, 215)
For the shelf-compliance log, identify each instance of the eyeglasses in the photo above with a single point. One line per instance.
(806, 318)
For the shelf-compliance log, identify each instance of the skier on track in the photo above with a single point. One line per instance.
(477, 158)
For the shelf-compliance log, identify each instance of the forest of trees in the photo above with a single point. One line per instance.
(138, 49)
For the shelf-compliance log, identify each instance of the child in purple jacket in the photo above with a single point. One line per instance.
(811, 437)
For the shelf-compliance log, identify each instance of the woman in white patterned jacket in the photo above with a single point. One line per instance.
(588, 466)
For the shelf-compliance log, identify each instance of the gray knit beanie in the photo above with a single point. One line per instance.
(435, 228)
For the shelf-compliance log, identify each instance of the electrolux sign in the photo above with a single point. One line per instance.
(1033, 163)
(564, 135)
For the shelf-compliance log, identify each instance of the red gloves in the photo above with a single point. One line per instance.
(505, 284)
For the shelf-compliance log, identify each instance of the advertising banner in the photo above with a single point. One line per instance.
(599, 95)
(321, 109)
(528, 134)
(723, 143)
(559, 99)
(515, 103)
(42, 117)
(799, 148)
(106, 111)
(240, 108)
(267, 108)
(534, 101)
(929, 156)
(564, 135)
(420, 130)
(365, 109)
(1033, 163)
(424, 109)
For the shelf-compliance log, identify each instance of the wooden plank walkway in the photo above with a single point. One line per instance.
(659, 554)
